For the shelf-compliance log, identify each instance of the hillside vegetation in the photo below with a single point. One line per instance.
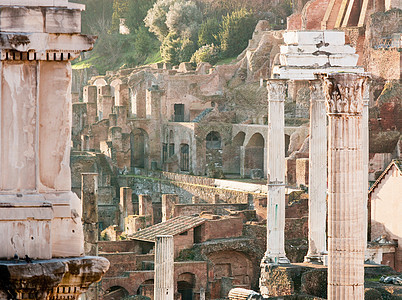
(172, 31)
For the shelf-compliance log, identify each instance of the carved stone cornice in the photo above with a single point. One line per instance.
(343, 93)
(276, 89)
(316, 91)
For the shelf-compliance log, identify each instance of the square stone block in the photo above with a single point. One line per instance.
(60, 20)
(21, 19)
(303, 37)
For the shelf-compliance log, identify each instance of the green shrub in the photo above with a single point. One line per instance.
(207, 53)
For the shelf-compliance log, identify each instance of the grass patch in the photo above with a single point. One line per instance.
(226, 61)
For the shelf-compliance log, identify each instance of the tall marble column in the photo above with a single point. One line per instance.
(365, 154)
(346, 244)
(317, 221)
(164, 268)
(276, 173)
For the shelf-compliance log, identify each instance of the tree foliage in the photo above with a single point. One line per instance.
(184, 17)
(208, 33)
(136, 12)
(155, 19)
(235, 31)
(175, 49)
(119, 8)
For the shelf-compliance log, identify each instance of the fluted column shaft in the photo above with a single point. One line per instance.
(276, 173)
(317, 174)
(344, 102)
(164, 268)
(365, 155)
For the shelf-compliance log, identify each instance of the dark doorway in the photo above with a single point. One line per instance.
(138, 140)
(197, 234)
(179, 112)
(184, 157)
(185, 289)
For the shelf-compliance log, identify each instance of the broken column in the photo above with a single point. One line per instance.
(164, 268)
(145, 205)
(168, 202)
(346, 243)
(276, 173)
(39, 215)
(89, 198)
(126, 205)
(317, 189)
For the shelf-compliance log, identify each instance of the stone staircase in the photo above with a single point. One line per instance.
(202, 115)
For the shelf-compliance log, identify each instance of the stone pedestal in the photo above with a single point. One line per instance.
(317, 188)
(276, 174)
(346, 242)
(164, 268)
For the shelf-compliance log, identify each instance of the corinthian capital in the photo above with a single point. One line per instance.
(316, 92)
(344, 92)
(276, 90)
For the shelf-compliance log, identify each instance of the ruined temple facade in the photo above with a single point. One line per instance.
(161, 138)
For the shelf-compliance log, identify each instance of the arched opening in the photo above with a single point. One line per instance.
(146, 289)
(213, 155)
(138, 146)
(185, 286)
(254, 156)
(115, 293)
(237, 143)
(233, 264)
(184, 157)
(213, 140)
(287, 142)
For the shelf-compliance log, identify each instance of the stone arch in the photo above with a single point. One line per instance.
(234, 264)
(115, 293)
(115, 87)
(213, 154)
(186, 283)
(254, 157)
(146, 288)
(139, 148)
(213, 140)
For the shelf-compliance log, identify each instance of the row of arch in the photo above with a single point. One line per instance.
(239, 156)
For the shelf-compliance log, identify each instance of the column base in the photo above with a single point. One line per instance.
(64, 278)
(275, 259)
(317, 258)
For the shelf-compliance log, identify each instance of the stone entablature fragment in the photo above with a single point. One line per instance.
(306, 53)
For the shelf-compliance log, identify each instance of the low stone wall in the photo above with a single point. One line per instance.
(155, 184)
